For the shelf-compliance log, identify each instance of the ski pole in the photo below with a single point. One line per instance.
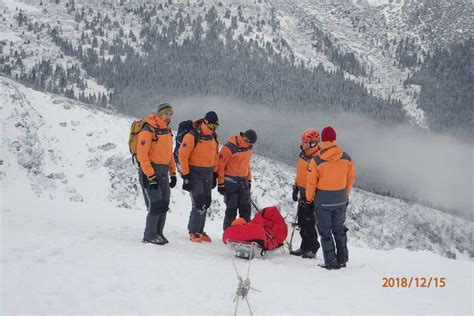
(254, 205)
(293, 224)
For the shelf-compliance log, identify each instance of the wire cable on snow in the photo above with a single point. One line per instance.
(243, 287)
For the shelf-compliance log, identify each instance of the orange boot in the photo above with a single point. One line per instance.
(194, 237)
(205, 237)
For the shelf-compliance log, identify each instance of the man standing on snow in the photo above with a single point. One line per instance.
(155, 157)
(305, 214)
(235, 176)
(198, 160)
(331, 175)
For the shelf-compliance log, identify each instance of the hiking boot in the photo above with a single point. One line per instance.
(309, 254)
(298, 252)
(330, 266)
(342, 264)
(157, 241)
(195, 237)
(164, 238)
(205, 237)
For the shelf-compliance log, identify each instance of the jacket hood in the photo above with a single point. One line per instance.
(311, 151)
(200, 126)
(330, 151)
(155, 121)
(239, 141)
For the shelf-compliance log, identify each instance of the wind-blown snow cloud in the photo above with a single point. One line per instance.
(404, 160)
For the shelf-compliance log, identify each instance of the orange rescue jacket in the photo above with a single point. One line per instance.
(155, 148)
(234, 159)
(202, 154)
(331, 175)
(304, 158)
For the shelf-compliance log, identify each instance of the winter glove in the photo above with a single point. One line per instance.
(250, 185)
(221, 189)
(306, 204)
(187, 183)
(295, 193)
(153, 183)
(172, 181)
(214, 180)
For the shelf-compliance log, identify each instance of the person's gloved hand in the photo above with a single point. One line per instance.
(172, 181)
(221, 189)
(187, 182)
(295, 193)
(153, 182)
(250, 185)
(307, 204)
(214, 180)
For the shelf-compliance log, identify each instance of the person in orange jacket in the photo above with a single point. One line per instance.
(155, 158)
(198, 162)
(305, 214)
(235, 175)
(331, 175)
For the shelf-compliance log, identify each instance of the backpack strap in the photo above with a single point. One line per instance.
(156, 131)
(162, 131)
(199, 137)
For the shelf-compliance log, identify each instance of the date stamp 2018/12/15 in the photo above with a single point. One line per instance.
(414, 282)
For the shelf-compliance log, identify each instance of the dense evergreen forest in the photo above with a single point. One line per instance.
(447, 89)
(208, 60)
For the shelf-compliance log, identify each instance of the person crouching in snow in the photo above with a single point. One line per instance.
(198, 160)
(235, 176)
(155, 157)
(331, 175)
(305, 214)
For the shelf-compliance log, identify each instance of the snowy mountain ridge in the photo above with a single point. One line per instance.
(64, 147)
(371, 34)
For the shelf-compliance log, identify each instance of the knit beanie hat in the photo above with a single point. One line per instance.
(328, 134)
(250, 135)
(211, 117)
(163, 107)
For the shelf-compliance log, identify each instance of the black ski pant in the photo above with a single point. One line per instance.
(156, 201)
(330, 223)
(237, 197)
(201, 188)
(307, 222)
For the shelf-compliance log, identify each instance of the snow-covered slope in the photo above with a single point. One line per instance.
(65, 146)
(72, 221)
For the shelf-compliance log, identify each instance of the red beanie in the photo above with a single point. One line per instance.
(328, 134)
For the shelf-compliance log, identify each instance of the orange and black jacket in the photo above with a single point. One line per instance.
(156, 148)
(304, 158)
(331, 175)
(203, 154)
(234, 159)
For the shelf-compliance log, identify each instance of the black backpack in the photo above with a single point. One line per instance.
(184, 128)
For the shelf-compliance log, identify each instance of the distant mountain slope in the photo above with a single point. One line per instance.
(376, 43)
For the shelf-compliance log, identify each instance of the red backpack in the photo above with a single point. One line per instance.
(267, 228)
